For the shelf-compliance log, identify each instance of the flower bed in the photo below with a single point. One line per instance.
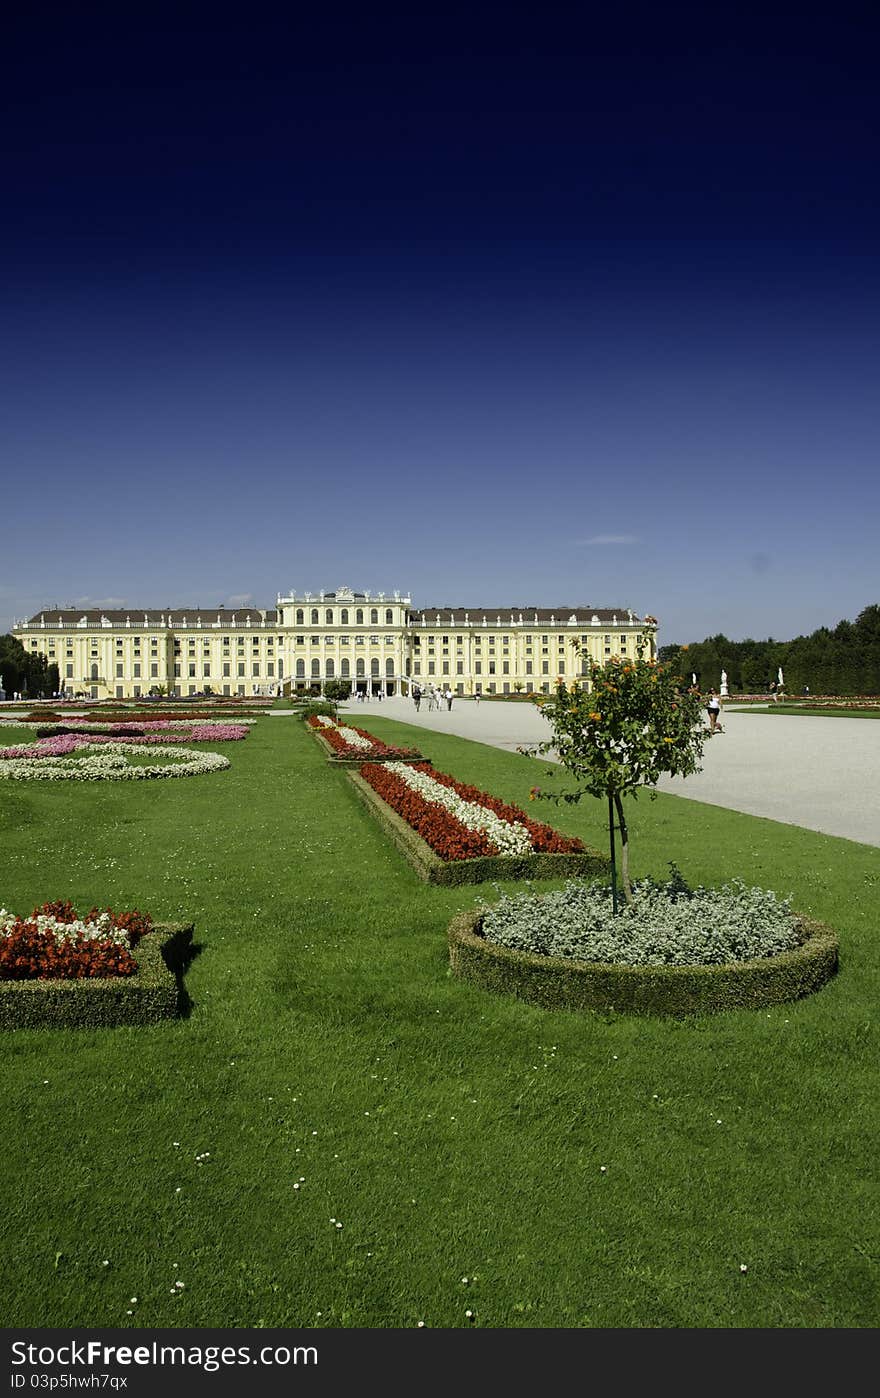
(452, 833)
(156, 731)
(112, 763)
(347, 744)
(151, 992)
(563, 983)
(55, 942)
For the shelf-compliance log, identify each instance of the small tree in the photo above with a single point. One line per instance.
(635, 723)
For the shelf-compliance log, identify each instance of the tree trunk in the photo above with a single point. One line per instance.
(624, 848)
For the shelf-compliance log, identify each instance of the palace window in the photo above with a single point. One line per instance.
(374, 616)
(328, 617)
(359, 617)
(314, 616)
(343, 617)
(389, 617)
(300, 616)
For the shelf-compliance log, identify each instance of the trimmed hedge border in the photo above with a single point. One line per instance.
(432, 869)
(556, 983)
(150, 995)
(337, 761)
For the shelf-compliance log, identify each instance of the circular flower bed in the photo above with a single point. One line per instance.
(675, 952)
(113, 762)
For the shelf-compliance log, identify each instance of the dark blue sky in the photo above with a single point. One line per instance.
(534, 305)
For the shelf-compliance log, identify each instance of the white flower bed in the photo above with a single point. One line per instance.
(101, 930)
(110, 765)
(508, 838)
(353, 738)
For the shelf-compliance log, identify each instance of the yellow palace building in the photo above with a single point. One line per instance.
(377, 642)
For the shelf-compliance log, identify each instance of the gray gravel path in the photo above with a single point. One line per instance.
(819, 773)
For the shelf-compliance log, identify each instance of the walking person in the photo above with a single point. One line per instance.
(714, 710)
(417, 697)
(448, 697)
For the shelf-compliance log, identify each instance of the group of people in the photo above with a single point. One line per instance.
(436, 697)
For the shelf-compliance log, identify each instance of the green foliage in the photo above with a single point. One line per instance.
(666, 990)
(665, 925)
(150, 995)
(634, 725)
(845, 660)
(337, 690)
(25, 672)
(315, 707)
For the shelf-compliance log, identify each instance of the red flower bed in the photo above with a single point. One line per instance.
(29, 951)
(344, 749)
(439, 828)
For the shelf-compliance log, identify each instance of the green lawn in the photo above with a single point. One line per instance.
(453, 1134)
(813, 713)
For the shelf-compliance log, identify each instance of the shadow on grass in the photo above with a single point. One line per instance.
(178, 953)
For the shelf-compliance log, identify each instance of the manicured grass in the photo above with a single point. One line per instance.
(815, 713)
(453, 1133)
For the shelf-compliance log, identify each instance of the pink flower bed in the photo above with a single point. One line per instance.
(60, 744)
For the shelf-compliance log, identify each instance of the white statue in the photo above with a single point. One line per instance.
(724, 682)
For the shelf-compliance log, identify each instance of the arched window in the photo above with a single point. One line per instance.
(389, 616)
(344, 670)
(374, 616)
(300, 616)
(359, 617)
(374, 668)
(280, 668)
(389, 669)
(360, 670)
(316, 669)
(94, 672)
(330, 670)
(328, 616)
(343, 617)
(300, 669)
(314, 616)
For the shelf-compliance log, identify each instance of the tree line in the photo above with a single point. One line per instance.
(26, 673)
(845, 660)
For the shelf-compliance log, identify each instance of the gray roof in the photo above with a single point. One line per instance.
(528, 616)
(155, 616)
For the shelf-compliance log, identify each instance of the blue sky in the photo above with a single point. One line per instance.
(491, 307)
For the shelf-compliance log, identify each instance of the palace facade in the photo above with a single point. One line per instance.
(377, 642)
